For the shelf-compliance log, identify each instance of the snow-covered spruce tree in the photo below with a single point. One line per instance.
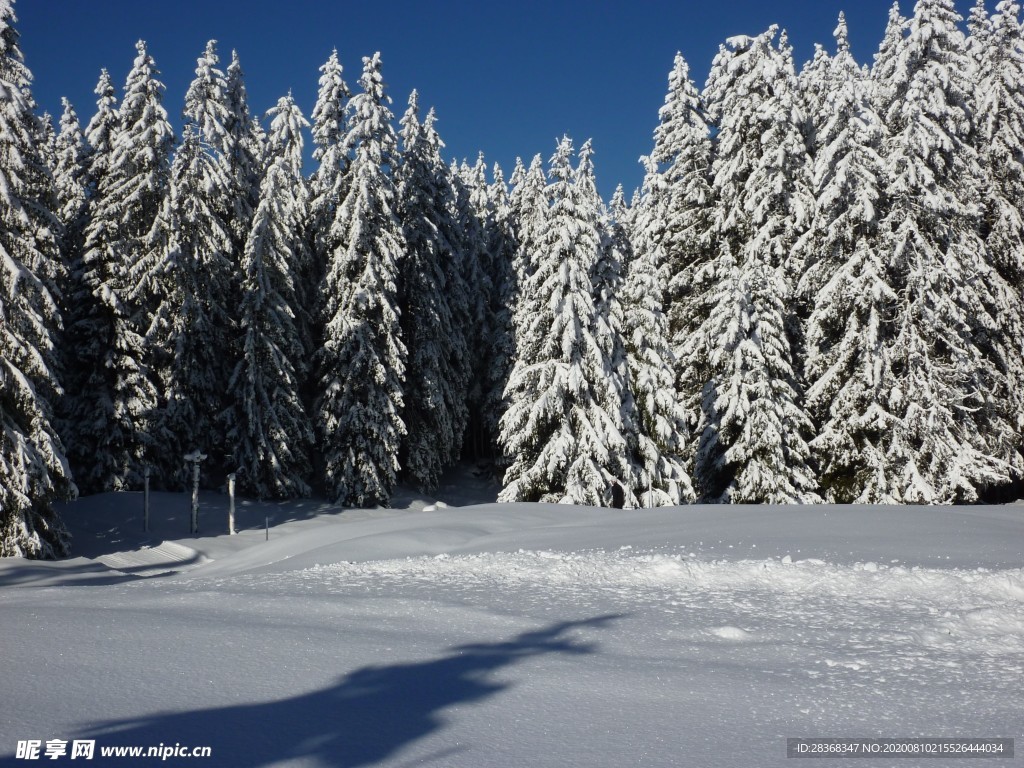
(475, 219)
(607, 277)
(38, 193)
(815, 86)
(883, 73)
(754, 431)
(529, 201)
(562, 440)
(504, 287)
(206, 108)
(100, 133)
(44, 134)
(243, 153)
(212, 111)
(953, 391)
(193, 326)
(69, 183)
(327, 186)
(138, 183)
(81, 309)
(999, 139)
(291, 126)
(113, 416)
(361, 365)
(268, 427)
(848, 367)
(980, 26)
(751, 449)
(33, 472)
(69, 177)
(661, 431)
(438, 364)
(671, 223)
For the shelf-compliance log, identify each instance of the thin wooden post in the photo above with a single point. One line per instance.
(195, 457)
(268, 528)
(145, 500)
(231, 504)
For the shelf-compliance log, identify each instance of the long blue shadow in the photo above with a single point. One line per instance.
(367, 716)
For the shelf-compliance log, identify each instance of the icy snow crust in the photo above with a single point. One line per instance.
(518, 634)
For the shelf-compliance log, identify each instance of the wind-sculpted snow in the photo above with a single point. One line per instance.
(628, 568)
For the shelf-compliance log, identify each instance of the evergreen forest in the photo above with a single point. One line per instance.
(816, 296)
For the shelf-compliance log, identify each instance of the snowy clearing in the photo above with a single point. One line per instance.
(506, 634)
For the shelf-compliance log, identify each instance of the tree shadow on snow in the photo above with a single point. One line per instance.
(367, 716)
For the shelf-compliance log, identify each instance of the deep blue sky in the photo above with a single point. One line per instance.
(506, 77)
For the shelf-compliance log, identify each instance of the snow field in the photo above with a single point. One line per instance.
(520, 634)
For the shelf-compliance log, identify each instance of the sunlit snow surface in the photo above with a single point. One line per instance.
(507, 635)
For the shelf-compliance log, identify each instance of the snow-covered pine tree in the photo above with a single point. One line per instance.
(883, 73)
(607, 277)
(45, 136)
(361, 365)
(815, 86)
(529, 201)
(209, 112)
(562, 442)
(69, 177)
(438, 363)
(751, 449)
(995, 47)
(82, 309)
(306, 278)
(243, 154)
(138, 182)
(267, 425)
(475, 218)
(659, 440)
(504, 287)
(999, 138)
(514, 190)
(671, 224)
(327, 186)
(193, 326)
(754, 430)
(99, 134)
(38, 193)
(33, 472)
(980, 26)
(113, 417)
(847, 287)
(953, 391)
(206, 106)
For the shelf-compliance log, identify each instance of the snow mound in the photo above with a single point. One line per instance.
(734, 634)
(167, 557)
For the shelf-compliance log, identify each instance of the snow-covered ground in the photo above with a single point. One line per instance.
(509, 635)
